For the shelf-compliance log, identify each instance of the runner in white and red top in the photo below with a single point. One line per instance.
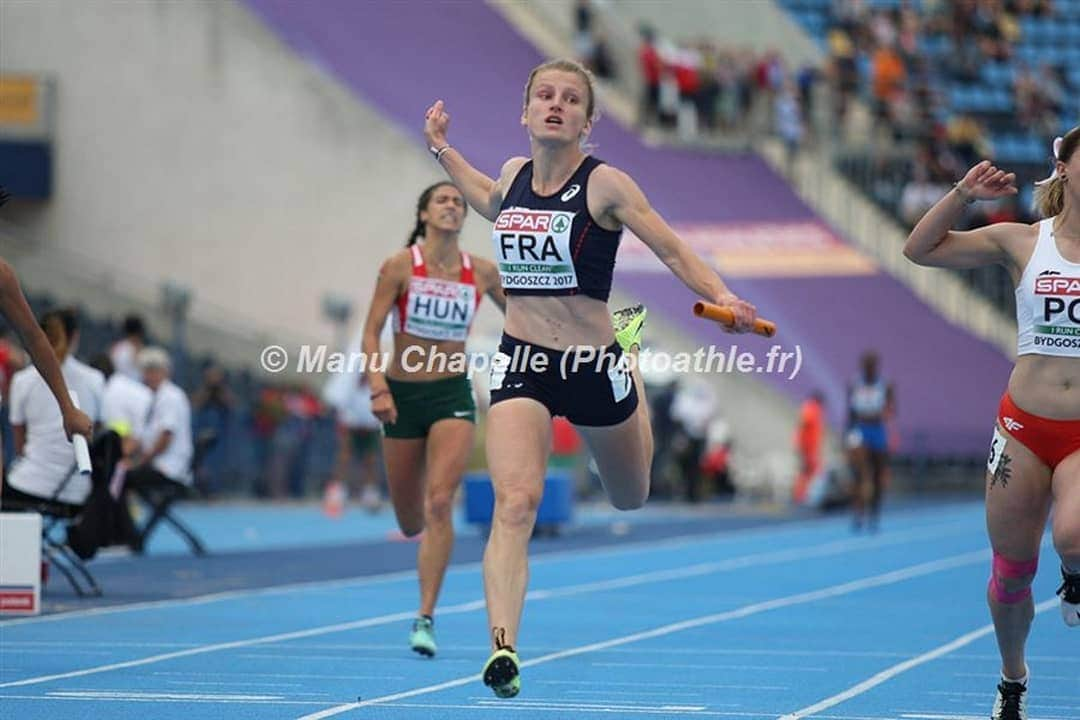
(427, 407)
(1034, 462)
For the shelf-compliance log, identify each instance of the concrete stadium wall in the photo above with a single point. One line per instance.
(191, 145)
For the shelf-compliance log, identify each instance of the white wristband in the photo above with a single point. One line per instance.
(438, 152)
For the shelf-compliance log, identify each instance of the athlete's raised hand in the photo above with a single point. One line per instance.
(986, 182)
(436, 123)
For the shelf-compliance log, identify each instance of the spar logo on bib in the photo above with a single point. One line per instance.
(533, 249)
(1057, 320)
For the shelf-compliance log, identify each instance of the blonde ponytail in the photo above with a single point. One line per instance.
(1050, 198)
(1050, 193)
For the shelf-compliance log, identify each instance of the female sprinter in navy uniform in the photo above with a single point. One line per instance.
(558, 216)
(1035, 452)
(427, 410)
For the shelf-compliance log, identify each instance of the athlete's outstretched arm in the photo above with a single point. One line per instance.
(482, 193)
(934, 243)
(14, 307)
(624, 201)
(393, 276)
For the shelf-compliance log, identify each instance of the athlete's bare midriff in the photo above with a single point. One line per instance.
(560, 321)
(1047, 386)
(435, 359)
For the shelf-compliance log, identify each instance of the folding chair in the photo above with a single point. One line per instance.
(161, 496)
(59, 555)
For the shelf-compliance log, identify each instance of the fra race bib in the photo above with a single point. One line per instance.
(533, 249)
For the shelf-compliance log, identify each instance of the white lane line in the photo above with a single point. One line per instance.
(383, 660)
(114, 694)
(505, 705)
(745, 611)
(138, 699)
(931, 716)
(281, 637)
(831, 548)
(286, 676)
(699, 666)
(634, 548)
(889, 673)
(703, 686)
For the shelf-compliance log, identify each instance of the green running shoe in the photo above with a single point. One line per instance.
(502, 674)
(629, 323)
(422, 637)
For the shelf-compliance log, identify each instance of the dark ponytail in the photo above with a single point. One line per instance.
(418, 232)
(421, 205)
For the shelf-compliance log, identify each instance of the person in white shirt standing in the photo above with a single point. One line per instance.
(125, 350)
(359, 435)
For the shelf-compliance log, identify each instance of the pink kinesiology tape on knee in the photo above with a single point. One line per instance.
(1005, 569)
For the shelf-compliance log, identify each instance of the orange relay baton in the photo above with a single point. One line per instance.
(726, 317)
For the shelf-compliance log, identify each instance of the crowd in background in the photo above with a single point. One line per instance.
(697, 87)
(877, 56)
(269, 440)
(904, 66)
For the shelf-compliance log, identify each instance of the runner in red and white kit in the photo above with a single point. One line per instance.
(427, 408)
(1034, 462)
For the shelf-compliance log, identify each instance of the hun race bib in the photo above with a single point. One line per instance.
(533, 249)
(440, 309)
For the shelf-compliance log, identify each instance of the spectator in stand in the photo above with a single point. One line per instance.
(651, 68)
(266, 418)
(359, 441)
(789, 121)
(844, 75)
(165, 446)
(124, 404)
(44, 465)
(919, 195)
(709, 90)
(125, 350)
(602, 62)
(686, 65)
(89, 381)
(967, 140)
(889, 76)
(694, 409)
(213, 405)
(809, 444)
